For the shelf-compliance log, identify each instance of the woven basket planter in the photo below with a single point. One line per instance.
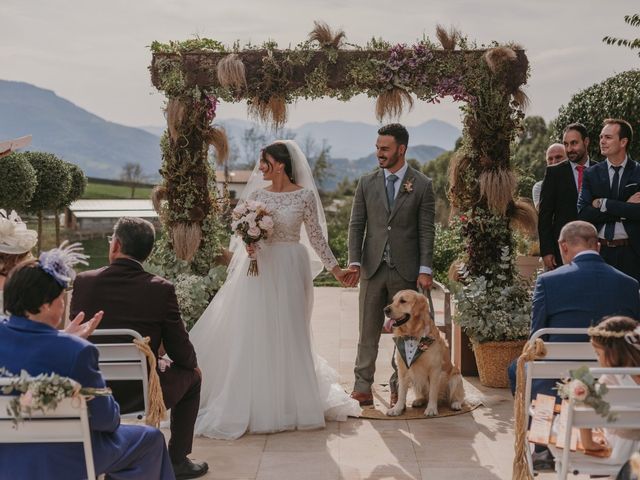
(493, 359)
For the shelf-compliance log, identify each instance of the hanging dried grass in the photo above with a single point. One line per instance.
(392, 103)
(497, 57)
(217, 137)
(231, 72)
(497, 187)
(521, 98)
(323, 34)
(448, 39)
(175, 116)
(186, 238)
(523, 216)
(273, 112)
(458, 164)
(158, 195)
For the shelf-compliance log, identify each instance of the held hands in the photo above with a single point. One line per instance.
(84, 330)
(346, 277)
(251, 249)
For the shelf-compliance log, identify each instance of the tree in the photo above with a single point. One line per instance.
(615, 97)
(438, 171)
(529, 153)
(78, 183)
(132, 175)
(253, 140)
(54, 183)
(634, 21)
(18, 182)
(318, 158)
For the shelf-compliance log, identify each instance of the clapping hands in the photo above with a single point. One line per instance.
(83, 330)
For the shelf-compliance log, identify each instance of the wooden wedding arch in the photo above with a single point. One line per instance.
(195, 75)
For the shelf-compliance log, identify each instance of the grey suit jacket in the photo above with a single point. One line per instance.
(409, 227)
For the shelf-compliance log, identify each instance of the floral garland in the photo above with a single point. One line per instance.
(42, 393)
(583, 387)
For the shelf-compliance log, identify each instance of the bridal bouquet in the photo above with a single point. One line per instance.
(252, 222)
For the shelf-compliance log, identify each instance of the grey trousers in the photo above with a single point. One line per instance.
(375, 294)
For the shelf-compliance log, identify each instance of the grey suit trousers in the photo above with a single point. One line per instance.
(376, 293)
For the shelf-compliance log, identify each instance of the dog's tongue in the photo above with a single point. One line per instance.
(388, 322)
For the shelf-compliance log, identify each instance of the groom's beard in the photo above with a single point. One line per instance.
(389, 161)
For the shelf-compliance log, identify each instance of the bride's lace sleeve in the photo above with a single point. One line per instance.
(314, 232)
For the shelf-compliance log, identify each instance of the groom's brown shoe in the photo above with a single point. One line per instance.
(363, 399)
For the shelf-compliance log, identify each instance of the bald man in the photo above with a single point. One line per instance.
(555, 154)
(559, 194)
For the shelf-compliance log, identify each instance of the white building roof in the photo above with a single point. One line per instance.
(117, 205)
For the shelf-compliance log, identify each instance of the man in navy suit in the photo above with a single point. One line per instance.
(577, 295)
(610, 199)
(559, 193)
(30, 340)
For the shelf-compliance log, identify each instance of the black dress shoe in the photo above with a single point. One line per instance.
(188, 469)
(543, 461)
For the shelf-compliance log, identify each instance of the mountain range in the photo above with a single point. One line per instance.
(101, 148)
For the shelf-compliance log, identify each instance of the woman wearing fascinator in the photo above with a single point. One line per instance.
(16, 242)
(254, 346)
(31, 342)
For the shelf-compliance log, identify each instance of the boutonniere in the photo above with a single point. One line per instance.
(408, 186)
(425, 343)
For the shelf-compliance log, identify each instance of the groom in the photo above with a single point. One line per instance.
(391, 234)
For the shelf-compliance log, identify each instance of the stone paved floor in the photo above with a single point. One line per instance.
(477, 445)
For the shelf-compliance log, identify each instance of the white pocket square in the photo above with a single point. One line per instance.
(630, 185)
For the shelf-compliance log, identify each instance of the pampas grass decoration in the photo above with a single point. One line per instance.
(218, 138)
(497, 187)
(323, 34)
(497, 57)
(158, 195)
(186, 238)
(231, 72)
(524, 217)
(521, 98)
(457, 165)
(392, 103)
(273, 112)
(175, 116)
(448, 39)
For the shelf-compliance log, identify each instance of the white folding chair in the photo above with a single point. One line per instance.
(123, 361)
(560, 359)
(625, 405)
(68, 423)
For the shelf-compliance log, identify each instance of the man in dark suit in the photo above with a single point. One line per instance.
(576, 295)
(132, 298)
(610, 199)
(391, 235)
(559, 194)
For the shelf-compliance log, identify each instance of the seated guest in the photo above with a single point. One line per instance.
(577, 295)
(616, 341)
(16, 242)
(132, 298)
(29, 340)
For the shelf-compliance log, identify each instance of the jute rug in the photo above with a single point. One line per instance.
(381, 405)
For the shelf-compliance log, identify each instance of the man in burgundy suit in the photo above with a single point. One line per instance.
(132, 298)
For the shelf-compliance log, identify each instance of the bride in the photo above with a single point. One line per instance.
(253, 341)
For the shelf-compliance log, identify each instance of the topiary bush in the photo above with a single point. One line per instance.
(18, 182)
(616, 97)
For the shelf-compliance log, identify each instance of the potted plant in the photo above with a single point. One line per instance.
(494, 310)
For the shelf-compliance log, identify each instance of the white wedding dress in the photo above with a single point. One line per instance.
(254, 340)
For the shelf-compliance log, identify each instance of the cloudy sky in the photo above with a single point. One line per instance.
(96, 54)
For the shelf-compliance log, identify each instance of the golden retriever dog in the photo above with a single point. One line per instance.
(425, 361)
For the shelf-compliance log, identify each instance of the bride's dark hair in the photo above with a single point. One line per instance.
(280, 154)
